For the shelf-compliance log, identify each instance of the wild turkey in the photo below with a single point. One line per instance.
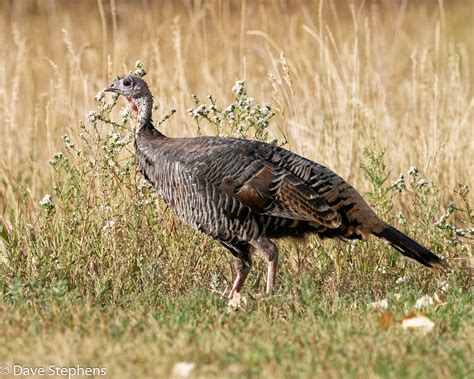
(242, 193)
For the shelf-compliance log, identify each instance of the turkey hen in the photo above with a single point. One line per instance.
(243, 193)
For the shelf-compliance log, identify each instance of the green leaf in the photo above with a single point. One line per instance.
(3, 233)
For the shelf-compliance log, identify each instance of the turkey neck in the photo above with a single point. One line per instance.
(144, 107)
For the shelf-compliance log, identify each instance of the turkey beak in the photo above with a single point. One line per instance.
(113, 87)
(110, 89)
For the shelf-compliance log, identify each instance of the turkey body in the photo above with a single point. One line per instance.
(238, 190)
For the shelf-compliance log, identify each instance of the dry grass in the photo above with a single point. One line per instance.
(391, 71)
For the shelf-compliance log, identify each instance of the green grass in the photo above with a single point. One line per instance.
(296, 334)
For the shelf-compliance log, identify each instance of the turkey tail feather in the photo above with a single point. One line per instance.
(412, 249)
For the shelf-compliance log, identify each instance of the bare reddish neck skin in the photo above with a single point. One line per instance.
(132, 104)
(134, 107)
(142, 108)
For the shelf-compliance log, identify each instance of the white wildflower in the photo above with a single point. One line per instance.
(109, 225)
(460, 232)
(451, 207)
(114, 136)
(239, 87)
(442, 220)
(57, 157)
(139, 69)
(399, 184)
(46, 200)
(265, 110)
(400, 280)
(401, 218)
(444, 286)
(92, 116)
(100, 96)
(76, 220)
(262, 123)
(229, 111)
(422, 182)
(124, 114)
(413, 171)
(247, 103)
(200, 111)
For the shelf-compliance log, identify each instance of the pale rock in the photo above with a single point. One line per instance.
(418, 322)
(183, 369)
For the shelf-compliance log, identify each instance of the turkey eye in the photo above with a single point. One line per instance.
(126, 83)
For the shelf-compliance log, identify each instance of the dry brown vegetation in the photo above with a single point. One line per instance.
(393, 71)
